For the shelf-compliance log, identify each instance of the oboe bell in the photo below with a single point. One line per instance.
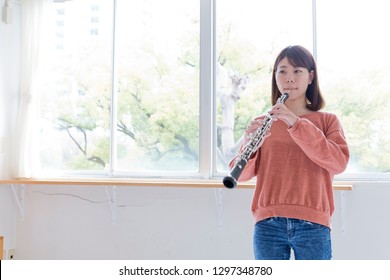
(230, 181)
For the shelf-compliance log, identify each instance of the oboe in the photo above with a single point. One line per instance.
(230, 181)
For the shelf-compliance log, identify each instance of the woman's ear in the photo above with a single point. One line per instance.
(311, 76)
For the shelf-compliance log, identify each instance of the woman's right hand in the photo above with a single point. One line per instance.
(252, 127)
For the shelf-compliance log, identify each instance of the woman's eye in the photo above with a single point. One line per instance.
(301, 70)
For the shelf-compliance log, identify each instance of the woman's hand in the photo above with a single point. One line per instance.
(281, 112)
(252, 127)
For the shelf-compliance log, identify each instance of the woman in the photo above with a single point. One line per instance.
(295, 165)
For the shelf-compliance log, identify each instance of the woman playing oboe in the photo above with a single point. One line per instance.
(295, 165)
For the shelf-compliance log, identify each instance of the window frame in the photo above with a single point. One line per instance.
(207, 110)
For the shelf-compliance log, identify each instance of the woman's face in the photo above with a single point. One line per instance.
(293, 80)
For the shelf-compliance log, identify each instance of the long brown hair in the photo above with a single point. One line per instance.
(298, 56)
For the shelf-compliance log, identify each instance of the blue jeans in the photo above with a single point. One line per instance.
(274, 238)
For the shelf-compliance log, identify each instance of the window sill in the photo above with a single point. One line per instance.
(143, 182)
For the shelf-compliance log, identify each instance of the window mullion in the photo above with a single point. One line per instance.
(314, 24)
(114, 97)
(206, 102)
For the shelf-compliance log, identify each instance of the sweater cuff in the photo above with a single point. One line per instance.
(295, 126)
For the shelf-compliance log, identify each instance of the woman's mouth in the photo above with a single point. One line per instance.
(289, 89)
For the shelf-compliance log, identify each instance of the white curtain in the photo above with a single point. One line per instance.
(35, 15)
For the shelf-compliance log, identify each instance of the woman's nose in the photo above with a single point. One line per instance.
(289, 79)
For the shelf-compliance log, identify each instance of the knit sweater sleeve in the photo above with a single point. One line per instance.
(250, 169)
(324, 144)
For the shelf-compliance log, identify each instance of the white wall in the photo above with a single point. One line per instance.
(365, 231)
(152, 223)
(63, 222)
(156, 223)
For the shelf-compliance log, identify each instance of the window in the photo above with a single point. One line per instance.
(250, 34)
(355, 66)
(157, 67)
(74, 105)
(123, 95)
(123, 92)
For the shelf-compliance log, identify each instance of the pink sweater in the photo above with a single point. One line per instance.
(295, 167)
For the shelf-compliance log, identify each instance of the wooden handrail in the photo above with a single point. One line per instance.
(142, 182)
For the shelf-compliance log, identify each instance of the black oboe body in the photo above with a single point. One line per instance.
(230, 181)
